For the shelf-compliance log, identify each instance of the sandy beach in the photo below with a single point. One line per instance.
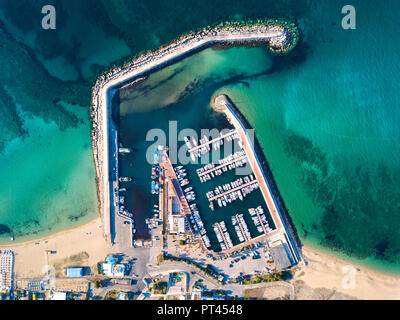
(86, 240)
(324, 271)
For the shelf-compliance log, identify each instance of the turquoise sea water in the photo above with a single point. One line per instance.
(326, 116)
(330, 131)
(47, 180)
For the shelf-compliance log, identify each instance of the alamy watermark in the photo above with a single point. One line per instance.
(49, 20)
(178, 148)
(349, 20)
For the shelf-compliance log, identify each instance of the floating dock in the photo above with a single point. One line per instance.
(239, 222)
(221, 232)
(222, 165)
(194, 149)
(221, 195)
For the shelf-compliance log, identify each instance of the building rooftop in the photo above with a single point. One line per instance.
(75, 272)
(122, 296)
(6, 269)
(280, 256)
(111, 259)
(113, 270)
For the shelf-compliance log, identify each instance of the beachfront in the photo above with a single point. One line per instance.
(323, 271)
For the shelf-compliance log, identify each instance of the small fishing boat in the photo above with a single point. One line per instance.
(156, 156)
(189, 146)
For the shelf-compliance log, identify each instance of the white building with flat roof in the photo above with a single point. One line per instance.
(113, 270)
(6, 270)
(177, 224)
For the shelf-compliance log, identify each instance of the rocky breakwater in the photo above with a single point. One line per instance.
(281, 36)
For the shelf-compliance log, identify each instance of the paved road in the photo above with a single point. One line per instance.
(139, 267)
(233, 289)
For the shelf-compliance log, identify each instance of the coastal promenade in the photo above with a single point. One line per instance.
(107, 84)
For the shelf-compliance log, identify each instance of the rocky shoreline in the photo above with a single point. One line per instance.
(281, 35)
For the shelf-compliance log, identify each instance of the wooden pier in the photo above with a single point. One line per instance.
(232, 190)
(262, 224)
(222, 235)
(241, 228)
(222, 165)
(212, 141)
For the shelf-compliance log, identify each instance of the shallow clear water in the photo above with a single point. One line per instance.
(47, 180)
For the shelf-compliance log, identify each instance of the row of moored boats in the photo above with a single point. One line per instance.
(122, 211)
(259, 219)
(198, 225)
(204, 144)
(241, 228)
(181, 174)
(195, 219)
(205, 147)
(225, 196)
(205, 176)
(121, 208)
(223, 236)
